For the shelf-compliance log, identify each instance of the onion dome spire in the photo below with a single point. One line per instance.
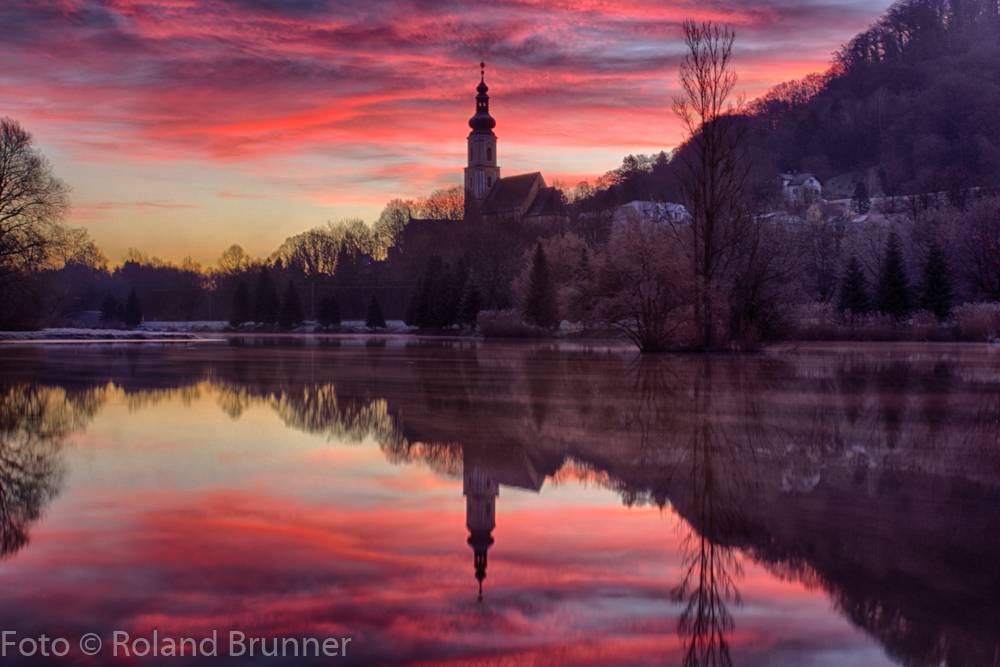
(482, 122)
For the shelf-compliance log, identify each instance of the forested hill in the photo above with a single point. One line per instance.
(917, 93)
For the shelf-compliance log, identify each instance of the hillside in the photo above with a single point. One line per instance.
(917, 94)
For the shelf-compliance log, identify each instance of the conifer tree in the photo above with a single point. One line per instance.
(110, 308)
(133, 310)
(854, 291)
(414, 310)
(540, 306)
(291, 313)
(893, 296)
(374, 319)
(329, 311)
(435, 308)
(861, 201)
(266, 304)
(581, 296)
(242, 305)
(472, 303)
(937, 291)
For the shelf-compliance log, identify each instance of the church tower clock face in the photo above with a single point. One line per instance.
(482, 171)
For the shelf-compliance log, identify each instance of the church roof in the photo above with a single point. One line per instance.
(509, 193)
(547, 202)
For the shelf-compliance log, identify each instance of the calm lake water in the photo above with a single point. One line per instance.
(820, 506)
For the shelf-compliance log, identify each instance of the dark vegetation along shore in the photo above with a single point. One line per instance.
(705, 247)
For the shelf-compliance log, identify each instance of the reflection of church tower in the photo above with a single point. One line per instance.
(481, 491)
(482, 172)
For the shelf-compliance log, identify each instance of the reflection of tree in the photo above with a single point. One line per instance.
(33, 422)
(710, 575)
(710, 570)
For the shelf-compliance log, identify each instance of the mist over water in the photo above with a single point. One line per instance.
(446, 502)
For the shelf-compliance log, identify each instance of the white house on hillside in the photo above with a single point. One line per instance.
(650, 211)
(801, 188)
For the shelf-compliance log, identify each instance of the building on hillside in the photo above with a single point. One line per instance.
(801, 188)
(488, 196)
(650, 211)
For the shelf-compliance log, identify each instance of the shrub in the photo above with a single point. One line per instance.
(978, 322)
(507, 323)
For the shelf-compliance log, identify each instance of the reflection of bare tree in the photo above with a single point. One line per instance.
(711, 569)
(34, 421)
(710, 576)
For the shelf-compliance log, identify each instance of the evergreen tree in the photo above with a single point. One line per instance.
(329, 311)
(861, 201)
(242, 305)
(581, 296)
(883, 180)
(937, 291)
(437, 304)
(893, 296)
(471, 304)
(291, 313)
(374, 318)
(267, 304)
(414, 312)
(540, 306)
(854, 294)
(110, 309)
(133, 310)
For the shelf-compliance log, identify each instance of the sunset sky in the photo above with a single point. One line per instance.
(184, 126)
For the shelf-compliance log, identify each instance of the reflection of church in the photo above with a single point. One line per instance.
(481, 486)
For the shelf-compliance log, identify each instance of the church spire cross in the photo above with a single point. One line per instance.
(482, 71)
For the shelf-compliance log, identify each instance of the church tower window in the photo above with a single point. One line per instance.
(489, 153)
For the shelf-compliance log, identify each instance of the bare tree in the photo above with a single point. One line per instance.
(641, 289)
(394, 217)
(444, 204)
(234, 260)
(32, 201)
(716, 172)
(976, 239)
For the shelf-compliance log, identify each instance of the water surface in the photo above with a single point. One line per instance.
(457, 503)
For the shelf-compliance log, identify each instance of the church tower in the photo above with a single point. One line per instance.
(482, 172)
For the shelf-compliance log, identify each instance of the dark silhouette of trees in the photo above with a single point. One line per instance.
(32, 204)
(937, 291)
(242, 311)
(540, 305)
(854, 289)
(267, 304)
(893, 295)
(470, 304)
(374, 319)
(329, 311)
(434, 302)
(860, 200)
(111, 309)
(715, 172)
(133, 310)
(290, 314)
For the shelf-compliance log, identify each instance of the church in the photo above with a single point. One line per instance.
(523, 202)
(514, 199)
